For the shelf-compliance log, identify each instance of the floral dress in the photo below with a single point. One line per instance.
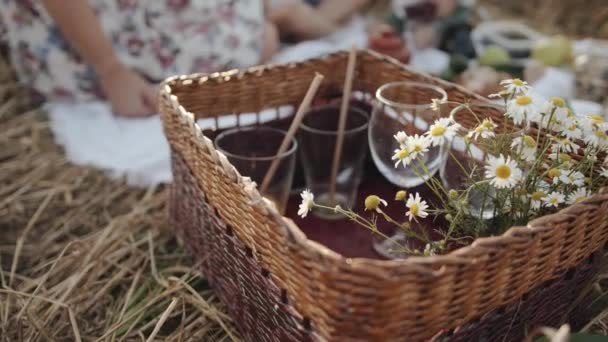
(158, 38)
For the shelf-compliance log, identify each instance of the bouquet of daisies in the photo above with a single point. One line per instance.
(535, 158)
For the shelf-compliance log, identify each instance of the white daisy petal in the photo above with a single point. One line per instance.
(442, 131)
(502, 172)
(515, 86)
(307, 203)
(484, 130)
(524, 108)
(554, 199)
(417, 207)
(577, 196)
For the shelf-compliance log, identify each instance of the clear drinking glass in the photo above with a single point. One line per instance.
(466, 158)
(404, 106)
(317, 137)
(252, 150)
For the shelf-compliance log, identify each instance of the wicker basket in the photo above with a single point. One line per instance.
(280, 286)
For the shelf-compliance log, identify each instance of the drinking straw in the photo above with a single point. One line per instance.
(348, 86)
(295, 124)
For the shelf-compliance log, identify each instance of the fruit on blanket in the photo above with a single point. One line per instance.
(554, 51)
(494, 55)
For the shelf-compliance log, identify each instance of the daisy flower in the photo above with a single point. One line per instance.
(436, 104)
(596, 138)
(571, 129)
(536, 199)
(484, 130)
(524, 108)
(593, 122)
(554, 174)
(308, 202)
(604, 172)
(373, 202)
(577, 196)
(553, 104)
(417, 145)
(503, 172)
(401, 137)
(554, 199)
(515, 86)
(598, 120)
(563, 159)
(402, 155)
(441, 131)
(417, 207)
(564, 145)
(572, 178)
(543, 186)
(527, 146)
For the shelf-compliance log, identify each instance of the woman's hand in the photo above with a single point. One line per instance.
(129, 94)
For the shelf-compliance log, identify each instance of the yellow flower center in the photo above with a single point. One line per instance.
(479, 129)
(417, 148)
(564, 158)
(517, 82)
(372, 202)
(414, 208)
(558, 102)
(403, 154)
(400, 195)
(438, 131)
(529, 141)
(573, 127)
(553, 200)
(554, 173)
(601, 134)
(579, 199)
(596, 119)
(487, 124)
(523, 100)
(538, 195)
(503, 171)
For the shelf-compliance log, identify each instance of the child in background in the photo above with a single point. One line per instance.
(118, 50)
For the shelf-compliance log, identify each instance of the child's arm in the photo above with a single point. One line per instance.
(128, 92)
(340, 10)
(297, 18)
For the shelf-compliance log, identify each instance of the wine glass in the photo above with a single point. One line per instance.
(403, 106)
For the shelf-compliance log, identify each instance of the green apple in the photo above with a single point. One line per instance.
(494, 55)
(554, 51)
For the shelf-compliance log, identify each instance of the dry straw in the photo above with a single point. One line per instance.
(77, 249)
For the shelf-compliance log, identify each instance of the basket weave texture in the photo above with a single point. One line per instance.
(281, 286)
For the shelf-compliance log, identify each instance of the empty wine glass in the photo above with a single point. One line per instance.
(404, 106)
(252, 150)
(318, 137)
